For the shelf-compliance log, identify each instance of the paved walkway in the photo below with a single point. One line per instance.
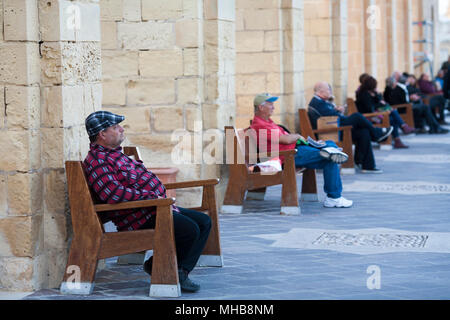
(392, 244)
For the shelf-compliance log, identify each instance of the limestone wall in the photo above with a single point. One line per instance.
(50, 77)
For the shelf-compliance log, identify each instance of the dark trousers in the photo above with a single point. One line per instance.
(191, 233)
(358, 121)
(438, 102)
(363, 148)
(422, 113)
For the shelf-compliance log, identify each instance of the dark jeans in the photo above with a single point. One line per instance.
(396, 121)
(191, 233)
(309, 157)
(422, 113)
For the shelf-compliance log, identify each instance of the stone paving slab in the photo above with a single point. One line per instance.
(413, 201)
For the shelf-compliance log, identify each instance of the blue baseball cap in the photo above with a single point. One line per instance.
(263, 97)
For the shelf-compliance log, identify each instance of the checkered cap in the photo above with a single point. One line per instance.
(101, 120)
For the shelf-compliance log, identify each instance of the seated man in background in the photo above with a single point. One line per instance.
(114, 177)
(327, 158)
(363, 132)
(426, 86)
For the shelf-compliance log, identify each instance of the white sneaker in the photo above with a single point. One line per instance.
(337, 203)
(333, 154)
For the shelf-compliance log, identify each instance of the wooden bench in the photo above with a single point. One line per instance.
(346, 142)
(384, 117)
(211, 255)
(91, 243)
(241, 160)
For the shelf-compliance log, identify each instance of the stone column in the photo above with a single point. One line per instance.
(392, 36)
(70, 90)
(21, 174)
(409, 63)
(219, 108)
(370, 50)
(293, 92)
(340, 50)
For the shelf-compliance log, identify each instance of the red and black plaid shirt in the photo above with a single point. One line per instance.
(115, 177)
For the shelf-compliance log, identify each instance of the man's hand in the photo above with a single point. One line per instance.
(340, 109)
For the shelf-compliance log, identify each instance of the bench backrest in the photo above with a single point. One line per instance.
(81, 200)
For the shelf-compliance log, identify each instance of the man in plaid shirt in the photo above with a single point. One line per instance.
(114, 177)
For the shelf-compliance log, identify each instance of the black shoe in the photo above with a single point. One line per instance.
(439, 130)
(386, 132)
(187, 284)
(148, 265)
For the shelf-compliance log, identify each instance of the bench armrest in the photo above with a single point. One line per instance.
(334, 129)
(191, 184)
(135, 204)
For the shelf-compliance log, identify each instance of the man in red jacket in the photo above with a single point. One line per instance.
(327, 158)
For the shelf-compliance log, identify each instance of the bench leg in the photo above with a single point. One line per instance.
(164, 279)
(289, 195)
(234, 196)
(309, 186)
(81, 266)
(212, 253)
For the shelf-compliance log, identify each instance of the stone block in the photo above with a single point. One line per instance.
(19, 63)
(63, 20)
(20, 233)
(16, 273)
(262, 19)
(51, 111)
(16, 155)
(167, 118)
(55, 191)
(271, 41)
(73, 146)
(189, 91)
(258, 62)
(109, 35)
(250, 84)
(55, 231)
(188, 33)
(250, 41)
(111, 10)
(52, 147)
(70, 63)
(162, 9)
(193, 9)
(3, 200)
(156, 148)
(153, 91)
(193, 115)
(274, 84)
(191, 65)
(137, 119)
(23, 107)
(114, 92)
(244, 105)
(24, 194)
(119, 64)
(132, 10)
(257, 4)
(164, 63)
(146, 35)
(21, 21)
